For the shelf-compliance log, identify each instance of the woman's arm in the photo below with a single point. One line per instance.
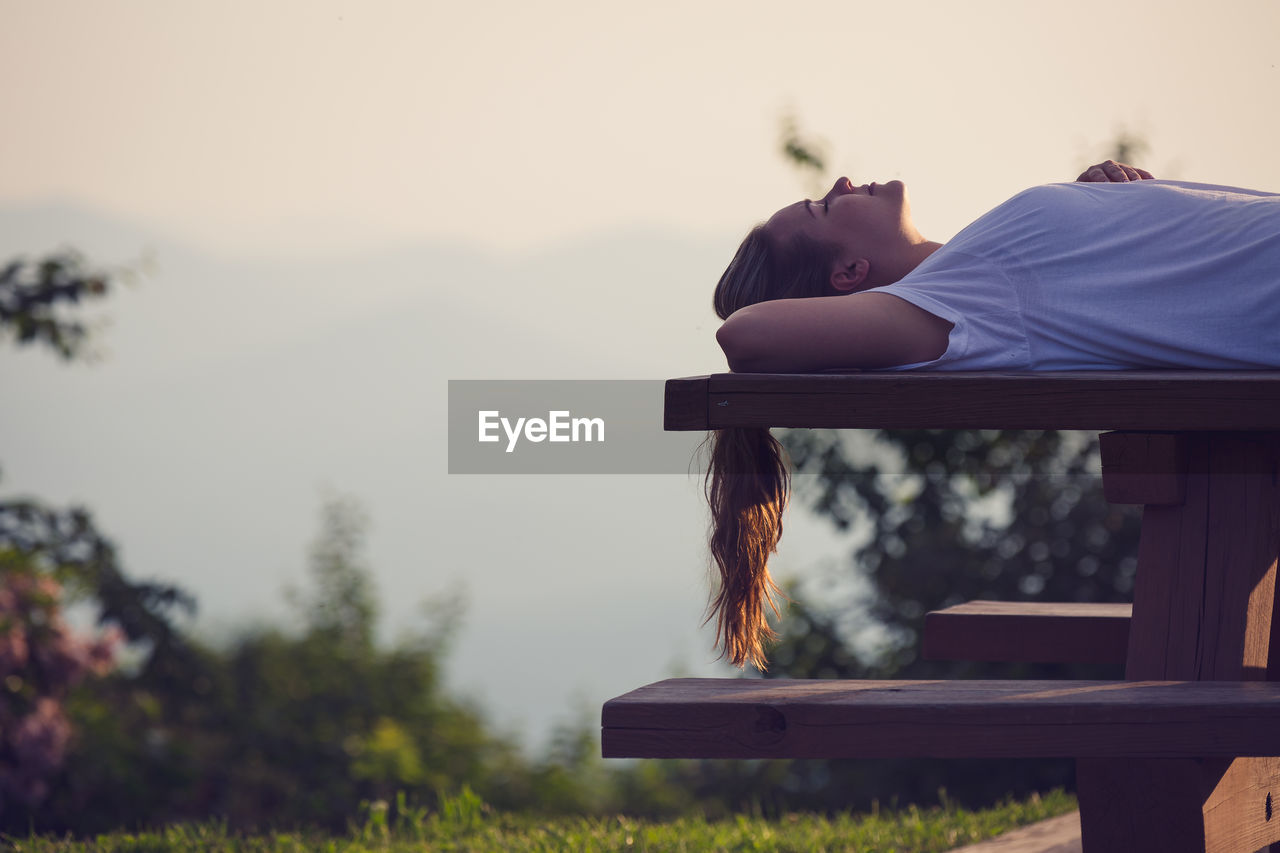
(858, 330)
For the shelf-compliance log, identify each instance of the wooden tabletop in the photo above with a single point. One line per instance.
(1141, 400)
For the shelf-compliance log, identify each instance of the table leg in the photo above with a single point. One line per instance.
(1203, 603)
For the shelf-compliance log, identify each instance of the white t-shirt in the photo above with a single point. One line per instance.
(1085, 276)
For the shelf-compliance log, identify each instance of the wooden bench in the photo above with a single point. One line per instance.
(1181, 756)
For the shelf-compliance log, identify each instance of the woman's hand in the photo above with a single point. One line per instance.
(1111, 172)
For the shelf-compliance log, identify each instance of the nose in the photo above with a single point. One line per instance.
(842, 186)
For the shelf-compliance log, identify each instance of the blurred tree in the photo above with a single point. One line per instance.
(48, 548)
(807, 153)
(41, 659)
(1129, 147)
(66, 545)
(318, 722)
(31, 294)
(343, 605)
(276, 729)
(280, 729)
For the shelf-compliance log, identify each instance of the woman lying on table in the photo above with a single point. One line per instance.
(1115, 271)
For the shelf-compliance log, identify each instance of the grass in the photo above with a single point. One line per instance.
(466, 825)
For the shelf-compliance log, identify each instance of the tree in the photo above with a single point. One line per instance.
(318, 721)
(32, 294)
(343, 604)
(807, 154)
(277, 728)
(51, 556)
(41, 659)
(65, 543)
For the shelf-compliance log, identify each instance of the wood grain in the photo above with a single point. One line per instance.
(1235, 808)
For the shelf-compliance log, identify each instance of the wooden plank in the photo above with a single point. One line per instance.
(753, 718)
(1028, 631)
(1242, 810)
(1097, 400)
(685, 405)
(1241, 551)
(1144, 468)
(1169, 589)
(1141, 806)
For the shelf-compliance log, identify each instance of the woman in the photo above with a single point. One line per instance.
(1115, 271)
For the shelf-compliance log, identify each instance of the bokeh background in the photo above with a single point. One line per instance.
(326, 210)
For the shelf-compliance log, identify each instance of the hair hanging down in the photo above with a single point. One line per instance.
(746, 486)
(748, 479)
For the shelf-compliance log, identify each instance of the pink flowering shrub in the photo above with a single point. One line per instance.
(41, 659)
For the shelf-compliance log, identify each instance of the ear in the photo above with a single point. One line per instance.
(850, 278)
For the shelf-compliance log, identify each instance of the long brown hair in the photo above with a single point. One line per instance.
(749, 477)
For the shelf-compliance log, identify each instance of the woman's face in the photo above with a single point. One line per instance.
(864, 221)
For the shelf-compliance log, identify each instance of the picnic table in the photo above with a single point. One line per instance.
(1184, 753)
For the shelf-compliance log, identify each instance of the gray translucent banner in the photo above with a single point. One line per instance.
(614, 426)
(583, 426)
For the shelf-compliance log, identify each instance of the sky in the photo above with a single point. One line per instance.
(343, 206)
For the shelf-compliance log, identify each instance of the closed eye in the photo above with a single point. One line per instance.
(808, 207)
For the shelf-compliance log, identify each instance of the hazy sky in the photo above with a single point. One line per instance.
(312, 123)
(350, 203)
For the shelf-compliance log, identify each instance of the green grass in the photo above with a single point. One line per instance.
(466, 824)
